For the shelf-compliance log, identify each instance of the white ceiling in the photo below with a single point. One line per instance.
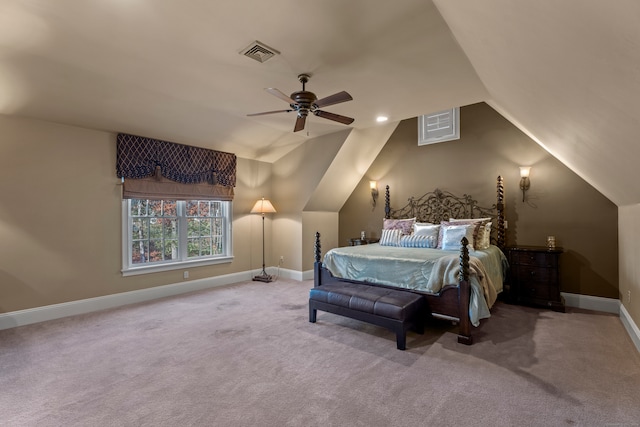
(567, 73)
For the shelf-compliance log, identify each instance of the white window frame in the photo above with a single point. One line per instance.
(439, 127)
(182, 262)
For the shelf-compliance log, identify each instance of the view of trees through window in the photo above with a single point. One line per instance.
(158, 225)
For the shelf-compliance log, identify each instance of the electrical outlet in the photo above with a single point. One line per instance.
(281, 259)
(185, 275)
(628, 296)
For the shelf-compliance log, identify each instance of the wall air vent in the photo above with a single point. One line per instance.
(259, 51)
(439, 127)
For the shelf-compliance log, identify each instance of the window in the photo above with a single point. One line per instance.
(162, 235)
(439, 127)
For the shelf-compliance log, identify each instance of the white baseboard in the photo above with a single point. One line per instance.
(56, 311)
(285, 273)
(307, 275)
(588, 302)
(607, 305)
(630, 326)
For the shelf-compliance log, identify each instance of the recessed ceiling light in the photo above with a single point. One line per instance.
(382, 118)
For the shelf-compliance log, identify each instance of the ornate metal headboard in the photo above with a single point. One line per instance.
(441, 205)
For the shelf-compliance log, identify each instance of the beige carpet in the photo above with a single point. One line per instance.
(246, 355)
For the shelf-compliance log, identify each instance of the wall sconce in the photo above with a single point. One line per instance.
(524, 179)
(374, 191)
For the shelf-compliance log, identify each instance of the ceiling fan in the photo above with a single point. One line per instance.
(304, 102)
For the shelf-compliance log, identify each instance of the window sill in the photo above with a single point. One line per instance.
(134, 271)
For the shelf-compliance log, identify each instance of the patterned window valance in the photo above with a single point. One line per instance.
(139, 157)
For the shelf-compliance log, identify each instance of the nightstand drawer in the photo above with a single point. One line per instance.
(539, 259)
(535, 291)
(526, 274)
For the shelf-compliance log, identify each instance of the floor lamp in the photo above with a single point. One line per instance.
(263, 206)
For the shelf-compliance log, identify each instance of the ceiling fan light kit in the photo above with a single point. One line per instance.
(304, 102)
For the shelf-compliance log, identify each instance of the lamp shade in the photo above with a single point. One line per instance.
(524, 171)
(263, 206)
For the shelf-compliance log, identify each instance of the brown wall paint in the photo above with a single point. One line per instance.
(558, 203)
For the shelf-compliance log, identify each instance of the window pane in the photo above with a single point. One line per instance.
(217, 246)
(155, 207)
(139, 251)
(193, 248)
(138, 207)
(140, 228)
(205, 227)
(155, 250)
(216, 208)
(203, 208)
(155, 228)
(205, 246)
(171, 249)
(193, 227)
(217, 227)
(169, 208)
(170, 228)
(192, 207)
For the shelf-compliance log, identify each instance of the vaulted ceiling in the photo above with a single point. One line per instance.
(567, 73)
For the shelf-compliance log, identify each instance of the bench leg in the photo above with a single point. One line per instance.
(401, 339)
(312, 314)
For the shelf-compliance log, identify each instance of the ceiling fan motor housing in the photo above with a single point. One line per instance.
(303, 102)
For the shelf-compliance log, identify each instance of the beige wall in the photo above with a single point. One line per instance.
(558, 203)
(295, 178)
(629, 224)
(60, 217)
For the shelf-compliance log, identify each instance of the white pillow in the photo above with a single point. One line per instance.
(390, 237)
(453, 234)
(425, 229)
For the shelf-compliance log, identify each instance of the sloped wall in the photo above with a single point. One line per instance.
(558, 203)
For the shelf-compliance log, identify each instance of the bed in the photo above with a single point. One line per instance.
(460, 279)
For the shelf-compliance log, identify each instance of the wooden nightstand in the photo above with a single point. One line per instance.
(534, 276)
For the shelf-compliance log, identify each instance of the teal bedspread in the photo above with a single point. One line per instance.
(422, 269)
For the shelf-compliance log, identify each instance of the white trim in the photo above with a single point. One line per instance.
(630, 326)
(72, 308)
(285, 273)
(183, 261)
(588, 302)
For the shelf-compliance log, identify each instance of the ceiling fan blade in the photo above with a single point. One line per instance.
(335, 117)
(269, 112)
(336, 98)
(275, 92)
(300, 121)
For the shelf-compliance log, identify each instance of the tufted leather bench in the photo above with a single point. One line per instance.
(390, 308)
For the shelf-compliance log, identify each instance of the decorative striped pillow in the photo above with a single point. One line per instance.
(418, 241)
(390, 237)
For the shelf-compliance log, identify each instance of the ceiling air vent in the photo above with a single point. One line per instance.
(259, 51)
